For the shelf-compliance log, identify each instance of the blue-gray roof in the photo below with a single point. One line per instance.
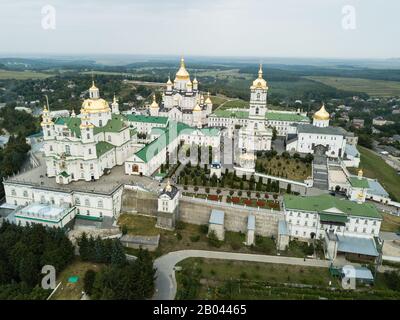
(375, 188)
(251, 222)
(365, 246)
(352, 151)
(282, 228)
(359, 273)
(217, 217)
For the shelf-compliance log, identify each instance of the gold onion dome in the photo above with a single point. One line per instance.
(195, 81)
(182, 73)
(208, 100)
(93, 87)
(259, 82)
(95, 105)
(197, 108)
(321, 114)
(189, 84)
(169, 81)
(154, 104)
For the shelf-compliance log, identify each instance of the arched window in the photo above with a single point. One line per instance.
(87, 202)
(100, 203)
(109, 138)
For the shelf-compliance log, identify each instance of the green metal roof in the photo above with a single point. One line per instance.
(227, 113)
(147, 119)
(270, 115)
(324, 202)
(72, 123)
(102, 147)
(173, 130)
(282, 116)
(115, 124)
(329, 217)
(358, 183)
(64, 174)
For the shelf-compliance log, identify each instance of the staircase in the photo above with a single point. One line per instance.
(320, 173)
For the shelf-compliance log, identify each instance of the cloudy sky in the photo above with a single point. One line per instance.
(257, 28)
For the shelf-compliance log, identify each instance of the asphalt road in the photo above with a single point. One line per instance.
(166, 282)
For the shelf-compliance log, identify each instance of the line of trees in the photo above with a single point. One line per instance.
(120, 279)
(23, 253)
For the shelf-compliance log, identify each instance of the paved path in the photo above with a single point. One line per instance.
(166, 282)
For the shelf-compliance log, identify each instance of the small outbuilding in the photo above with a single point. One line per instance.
(216, 224)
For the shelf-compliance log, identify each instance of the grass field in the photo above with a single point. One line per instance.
(73, 291)
(139, 225)
(378, 88)
(237, 103)
(22, 75)
(375, 167)
(224, 279)
(390, 223)
(288, 168)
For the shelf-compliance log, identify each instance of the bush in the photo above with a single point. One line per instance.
(179, 236)
(124, 229)
(88, 281)
(213, 240)
(203, 229)
(195, 238)
(235, 245)
(180, 225)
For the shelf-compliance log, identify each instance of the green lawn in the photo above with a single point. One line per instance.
(379, 88)
(138, 225)
(293, 169)
(238, 103)
(390, 223)
(375, 167)
(22, 75)
(73, 291)
(224, 279)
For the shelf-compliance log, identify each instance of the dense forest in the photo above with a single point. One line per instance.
(23, 253)
(120, 279)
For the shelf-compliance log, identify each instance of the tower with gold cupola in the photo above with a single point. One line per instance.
(258, 96)
(96, 108)
(321, 118)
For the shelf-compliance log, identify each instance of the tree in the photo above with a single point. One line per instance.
(289, 188)
(88, 281)
(117, 257)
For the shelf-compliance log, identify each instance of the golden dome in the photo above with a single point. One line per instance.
(208, 100)
(182, 73)
(154, 104)
(93, 87)
(259, 83)
(197, 108)
(321, 114)
(195, 81)
(169, 81)
(189, 84)
(95, 105)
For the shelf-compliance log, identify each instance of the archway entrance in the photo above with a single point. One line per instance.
(320, 150)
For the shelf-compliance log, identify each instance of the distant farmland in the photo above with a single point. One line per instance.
(22, 75)
(374, 88)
